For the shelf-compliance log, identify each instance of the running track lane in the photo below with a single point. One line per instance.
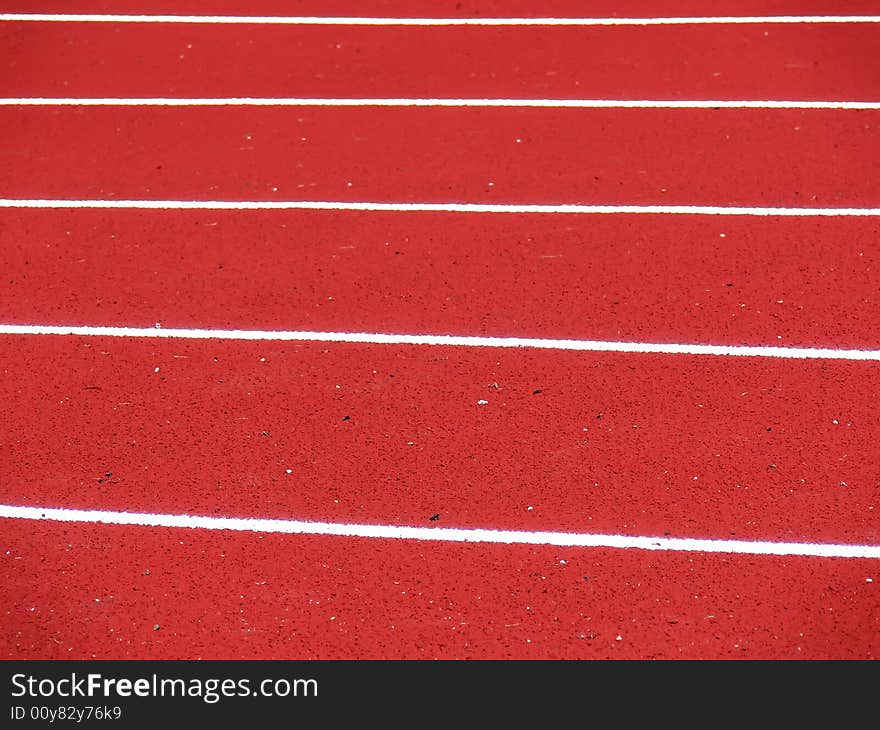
(859, 620)
(710, 447)
(808, 61)
(451, 8)
(604, 156)
(108, 592)
(686, 279)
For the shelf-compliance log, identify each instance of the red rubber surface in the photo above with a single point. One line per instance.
(393, 435)
(217, 596)
(709, 62)
(776, 281)
(782, 450)
(678, 157)
(452, 8)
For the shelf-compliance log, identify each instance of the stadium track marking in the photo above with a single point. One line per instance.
(804, 353)
(444, 534)
(329, 20)
(432, 102)
(432, 207)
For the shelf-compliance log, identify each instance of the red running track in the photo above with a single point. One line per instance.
(708, 62)
(452, 8)
(84, 591)
(608, 156)
(632, 444)
(803, 282)
(781, 450)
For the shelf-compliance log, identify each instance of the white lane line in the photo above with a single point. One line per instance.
(328, 20)
(432, 207)
(430, 102)
(808, 353)
(443, 534)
